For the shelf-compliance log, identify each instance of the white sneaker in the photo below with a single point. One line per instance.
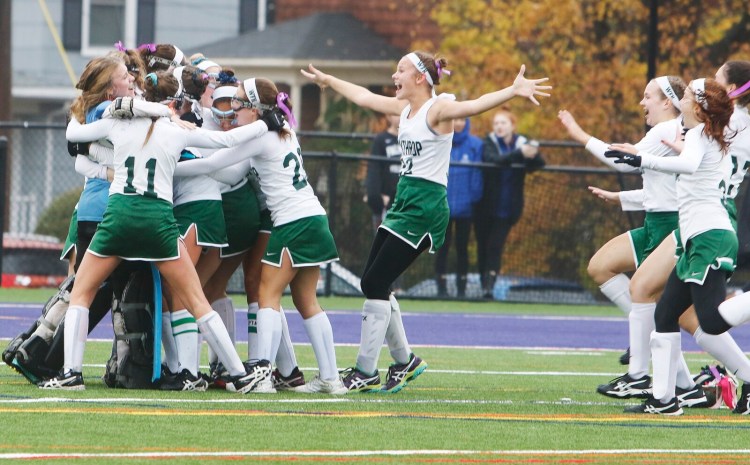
(322, 386)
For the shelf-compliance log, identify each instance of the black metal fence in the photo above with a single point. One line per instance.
(545, 258)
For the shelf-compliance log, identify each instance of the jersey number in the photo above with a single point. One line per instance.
(299, 180)
(735, 168)
(151, 167)
(406, 166)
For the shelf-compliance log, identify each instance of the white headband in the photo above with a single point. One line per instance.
(224, 92)
(420, 67)
(251, 91)
(178, 56)
(205, 64)
(699, 90)
(663, 82)
(177, 73)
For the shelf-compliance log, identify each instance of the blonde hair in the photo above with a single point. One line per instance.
(95, 85)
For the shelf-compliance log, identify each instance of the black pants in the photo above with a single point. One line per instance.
(389, 257)
(463, 229)
(678, 296)
(491, 236)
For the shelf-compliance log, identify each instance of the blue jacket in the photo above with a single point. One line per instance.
(464, 182)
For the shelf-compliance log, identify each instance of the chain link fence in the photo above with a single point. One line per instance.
(545, 257)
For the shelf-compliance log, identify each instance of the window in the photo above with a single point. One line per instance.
(105, 22)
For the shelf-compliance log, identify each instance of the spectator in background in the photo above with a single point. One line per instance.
(502, 203)
(464, 191)
(382, 176)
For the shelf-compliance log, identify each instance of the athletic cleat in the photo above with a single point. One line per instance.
(626, 387)
(625, 357)
(218, 375)
(357, 381)
(68, 381)
(184, 381)
(399, 374)
(743, 401)
(257, 378)
(295, 380)
(651, 405)
(694, 397)
(322, 386)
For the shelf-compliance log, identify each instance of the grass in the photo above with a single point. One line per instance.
(470, 406)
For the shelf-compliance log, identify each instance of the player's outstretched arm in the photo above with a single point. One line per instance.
(357, 94)
(522, 87)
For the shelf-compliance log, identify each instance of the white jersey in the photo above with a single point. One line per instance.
(147, 170)
(210, 125)
(193, 188)
(739, 149)
(278, 162)
(659, 189)
(702, 170)
(424, 153)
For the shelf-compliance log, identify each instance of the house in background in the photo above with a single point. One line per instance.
(257, 37)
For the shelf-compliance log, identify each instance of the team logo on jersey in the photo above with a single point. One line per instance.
(411, 148)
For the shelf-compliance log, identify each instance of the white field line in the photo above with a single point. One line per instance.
(266, 400)
(368, 453)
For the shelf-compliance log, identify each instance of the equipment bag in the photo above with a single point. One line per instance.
(131, 363)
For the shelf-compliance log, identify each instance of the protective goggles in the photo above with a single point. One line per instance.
(220, 116)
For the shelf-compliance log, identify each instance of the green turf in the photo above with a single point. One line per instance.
(466, 400)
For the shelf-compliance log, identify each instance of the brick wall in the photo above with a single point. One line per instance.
(401, 23)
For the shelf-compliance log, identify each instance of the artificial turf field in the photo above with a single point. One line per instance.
(470, 406)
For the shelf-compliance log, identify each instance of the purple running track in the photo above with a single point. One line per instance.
(440, 329)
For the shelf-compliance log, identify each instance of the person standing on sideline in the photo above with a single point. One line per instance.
(419, 216)
(502, 202)
(464, 191)
(382, 176)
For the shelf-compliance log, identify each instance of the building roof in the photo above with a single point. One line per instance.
(320, 36)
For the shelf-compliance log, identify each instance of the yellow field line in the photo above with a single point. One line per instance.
(150, 412)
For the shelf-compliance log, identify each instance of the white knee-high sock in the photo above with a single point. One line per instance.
(286, 360)
(395, 335)
(185, 335)
(376, 315)
(723, 348)
(225, 308)
(665, 352)
(683, 380)
(269, 333)
(216, 335)
(641, 324)
(170, 346)
(74, 340)
(252, 330)
(319, 331)
(736, 310)
(617, 289)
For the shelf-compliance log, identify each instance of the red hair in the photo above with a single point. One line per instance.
(716, 114)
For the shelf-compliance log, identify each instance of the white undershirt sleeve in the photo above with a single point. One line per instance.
(632, 200)
(597, 148)
(89, 168)
(78, 132)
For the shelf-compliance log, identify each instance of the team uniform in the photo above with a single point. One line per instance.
(140, 207)
(300, 230)
(420, 208)
(659, 194)
(705, 259)
(300, 225)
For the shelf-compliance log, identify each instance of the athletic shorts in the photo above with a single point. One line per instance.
(137, 228)
(266, 224)
(647, 238)
(420, 209)
(208, 218)
(72, 237)
(308, 241)
(242, 218)
(716, 249)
